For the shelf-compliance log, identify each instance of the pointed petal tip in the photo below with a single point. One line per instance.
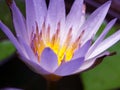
(1, 24)
(108, 3)
(115, 19)
(90, 40)
(70, 67)
(9, 2)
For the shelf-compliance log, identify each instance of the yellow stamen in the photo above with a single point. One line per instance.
(41, 40)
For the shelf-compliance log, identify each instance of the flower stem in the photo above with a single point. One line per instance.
(51, 85)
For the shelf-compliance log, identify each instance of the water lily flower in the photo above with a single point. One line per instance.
(55, 44)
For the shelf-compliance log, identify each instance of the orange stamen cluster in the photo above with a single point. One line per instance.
(41, 39)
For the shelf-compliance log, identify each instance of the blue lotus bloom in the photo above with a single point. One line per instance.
(53, 43)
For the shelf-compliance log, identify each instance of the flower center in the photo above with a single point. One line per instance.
(41, 40)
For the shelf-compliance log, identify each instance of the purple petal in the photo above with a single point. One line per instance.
(29, 52)
(74, 19)
(40, 10)
(102, 36)
(94, 21)
(19, 22)
(35, 12)
(75, 15)
(55, 14)
(12, 38)
(35, 66)
(70, 67)
(90, 62)
(30, 16)
(106, 44)
(82, 50)
(48, 60)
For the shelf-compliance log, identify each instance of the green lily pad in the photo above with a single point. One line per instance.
(6, 49)
(105, 76)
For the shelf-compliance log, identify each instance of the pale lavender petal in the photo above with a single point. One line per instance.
(74, 19)
(102, 36)
(55, 14)
(70, 67)
(35, 66)
(75, 15)
(19, 22)
(29, 52)
(35, 13)
(94, 21)
(40, 11)
(48, 60)
(12, 38)
(90, 62)
(30, 16)
(106, 44)
(82, 50)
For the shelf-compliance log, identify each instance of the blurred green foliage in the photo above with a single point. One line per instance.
(6, 49)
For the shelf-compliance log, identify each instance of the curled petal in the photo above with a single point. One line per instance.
(88, 63)
(70, 67)
(100, 59)
(49, 60)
